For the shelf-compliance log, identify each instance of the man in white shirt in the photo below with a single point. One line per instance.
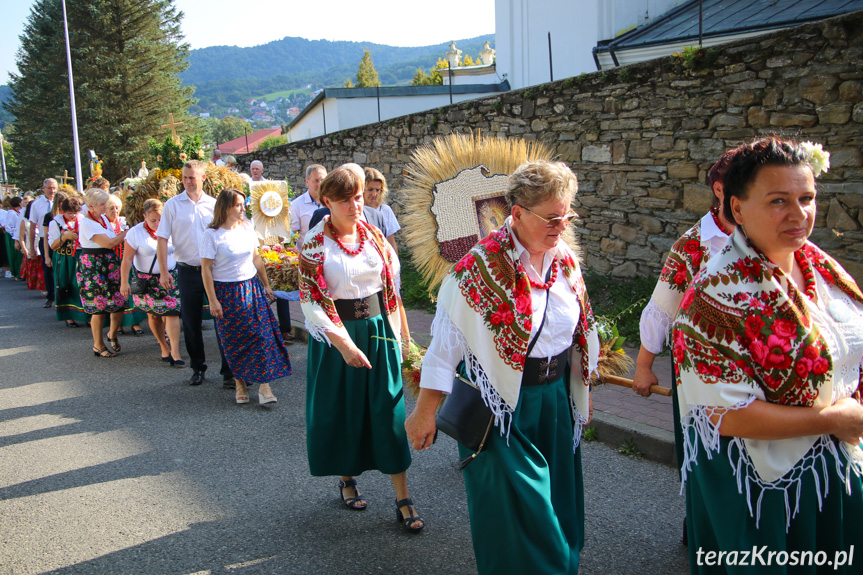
(40, 207)
(305, 205)
(256, 168)
(184, 219)
(217, 157)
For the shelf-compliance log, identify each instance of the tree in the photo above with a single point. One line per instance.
(348, 83)
(126, 57)
(468, 61)
(272, 142)
(229, 128)
(433, 78)
(367, 76)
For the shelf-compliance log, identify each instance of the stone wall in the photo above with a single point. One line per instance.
(642, 138)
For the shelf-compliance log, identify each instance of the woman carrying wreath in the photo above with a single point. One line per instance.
(518, 285)
(768, 346)
(355, 407)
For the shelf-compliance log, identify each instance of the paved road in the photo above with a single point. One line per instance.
(117, 466)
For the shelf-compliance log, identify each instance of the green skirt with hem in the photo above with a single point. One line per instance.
(15, 257)
(718, 519)
(355, 417)
(526, 499)
(67, 300)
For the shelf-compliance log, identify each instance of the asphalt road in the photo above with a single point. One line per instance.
(116, 466)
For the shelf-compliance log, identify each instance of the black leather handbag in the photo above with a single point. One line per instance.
(464, 416)
(139, 285)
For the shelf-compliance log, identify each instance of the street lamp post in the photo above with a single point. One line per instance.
(79, 181)
(3, 159)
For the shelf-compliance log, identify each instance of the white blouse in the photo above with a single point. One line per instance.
(840, 321)
(145, 250)
(355, 277)
(87, 228)
(57, 227)
(446, 349)
(232, 252)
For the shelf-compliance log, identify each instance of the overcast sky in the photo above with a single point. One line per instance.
(254, 22)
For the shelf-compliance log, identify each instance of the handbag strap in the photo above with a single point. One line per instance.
(544, 313)
(154, 263)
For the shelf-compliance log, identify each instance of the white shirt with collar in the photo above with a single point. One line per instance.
(302, 209)
(184, 221)
(561, 319)
(40, 207)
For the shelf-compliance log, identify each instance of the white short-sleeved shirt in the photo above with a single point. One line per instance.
(13, 218)
(38, 209)
(87, 228)
(184, 221)
(57, 227)
(302, 209)
(2, 218)
(390, 220)
(145, 250)
(232, 252)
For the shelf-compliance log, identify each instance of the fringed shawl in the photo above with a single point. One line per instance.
(317, 304)
(488, 298)
(741, 337)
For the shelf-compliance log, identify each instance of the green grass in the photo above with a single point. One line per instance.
(284, 94)
(620, 301)
(630, 449)
(415, 293)
(589, 434)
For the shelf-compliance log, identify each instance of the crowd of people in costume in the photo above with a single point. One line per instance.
(765, 331)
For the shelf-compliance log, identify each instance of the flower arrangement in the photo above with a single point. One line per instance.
(170, 155)
(819, 158)
(281, 267)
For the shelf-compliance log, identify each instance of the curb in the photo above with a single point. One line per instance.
(655, 444)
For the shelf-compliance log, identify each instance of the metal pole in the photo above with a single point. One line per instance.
(3, 159)
(550, 63)
(378, 90)
(246, 134)
(79, 181)
(700, 21)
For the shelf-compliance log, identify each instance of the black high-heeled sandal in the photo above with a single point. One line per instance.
(115, 343)
(352, 503)
(407, 522)
(103, 352)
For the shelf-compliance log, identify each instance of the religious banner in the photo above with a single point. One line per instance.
(270, 206)
(454, 196)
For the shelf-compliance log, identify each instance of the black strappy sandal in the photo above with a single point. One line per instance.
(115, 343)
(407, 522)
(103, 352)
(352, 502)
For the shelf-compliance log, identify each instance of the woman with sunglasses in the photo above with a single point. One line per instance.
(514, 319)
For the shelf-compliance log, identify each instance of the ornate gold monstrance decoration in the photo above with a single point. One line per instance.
(454, 196)
(270, 205)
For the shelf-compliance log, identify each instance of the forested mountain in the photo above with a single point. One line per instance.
(228, 75)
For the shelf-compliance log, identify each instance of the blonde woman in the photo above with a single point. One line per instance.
(375, 195)
(129, 316)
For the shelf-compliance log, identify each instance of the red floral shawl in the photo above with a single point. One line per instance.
(315, 298)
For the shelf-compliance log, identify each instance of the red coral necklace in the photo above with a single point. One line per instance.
(149, 231)
(808, 274)
(551, 280)
(714, 211)
(347, 250)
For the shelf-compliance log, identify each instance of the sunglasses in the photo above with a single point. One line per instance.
(553, 222)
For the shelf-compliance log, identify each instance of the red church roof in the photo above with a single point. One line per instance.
(239, 146)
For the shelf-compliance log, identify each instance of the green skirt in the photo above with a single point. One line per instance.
(526, 499)
(15, 257)
(355, 417)
(67, 300)
(719, 520)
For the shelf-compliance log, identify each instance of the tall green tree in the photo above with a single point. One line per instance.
(229, 128)
(126, 57)
(367, 76)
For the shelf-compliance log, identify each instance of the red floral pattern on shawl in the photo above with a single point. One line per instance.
(736, 325)
(313, 285)
(495, 285)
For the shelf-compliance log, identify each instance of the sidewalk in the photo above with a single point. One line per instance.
(619, 414)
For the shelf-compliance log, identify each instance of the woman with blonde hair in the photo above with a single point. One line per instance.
(129, 316)
(375, 195)
(99, 268)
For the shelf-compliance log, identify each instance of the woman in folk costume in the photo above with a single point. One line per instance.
(767, 347)
(355, 407)
(520, 284)
(130, 316)
(98, 272)
(31, 266)
(13, 214)
(63, 238)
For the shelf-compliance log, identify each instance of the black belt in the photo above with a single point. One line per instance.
(95, 251)
(188, 267)
(541, 370)
(363, 308)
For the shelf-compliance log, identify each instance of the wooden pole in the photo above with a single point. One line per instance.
(623, 382)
